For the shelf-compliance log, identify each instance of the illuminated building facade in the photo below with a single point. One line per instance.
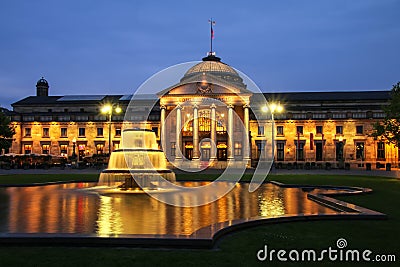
(315, 127)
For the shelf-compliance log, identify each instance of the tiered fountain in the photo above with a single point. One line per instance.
(138, 165)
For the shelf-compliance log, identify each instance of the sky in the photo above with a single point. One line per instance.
(112, 47)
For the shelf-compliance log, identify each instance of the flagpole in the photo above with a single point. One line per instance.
(211, 35)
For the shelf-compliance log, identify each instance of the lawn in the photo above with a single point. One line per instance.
(239, 249)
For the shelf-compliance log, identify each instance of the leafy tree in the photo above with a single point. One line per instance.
(6, 132)
(389, 128)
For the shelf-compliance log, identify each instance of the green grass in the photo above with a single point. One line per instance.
(239, 249)
(21, 179)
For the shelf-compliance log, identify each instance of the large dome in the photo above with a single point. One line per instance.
(213, 66)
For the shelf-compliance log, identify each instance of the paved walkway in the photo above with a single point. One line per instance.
(383, 172)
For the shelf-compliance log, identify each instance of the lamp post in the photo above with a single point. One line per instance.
(73, 147)
(108, 110)
(273, 107)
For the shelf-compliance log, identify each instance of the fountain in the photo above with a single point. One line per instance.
(138, 165)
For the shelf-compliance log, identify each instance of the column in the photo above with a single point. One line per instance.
(162, 130)
(195, 132)
(213, 133)
(230, 132)
(246, 141)
(178, 144)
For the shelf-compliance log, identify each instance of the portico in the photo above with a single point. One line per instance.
(205, 117)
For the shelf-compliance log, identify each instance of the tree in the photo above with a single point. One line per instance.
(6, 132)
(389, 128)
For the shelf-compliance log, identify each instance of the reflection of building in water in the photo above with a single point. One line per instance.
(60, 209)
(50, 209)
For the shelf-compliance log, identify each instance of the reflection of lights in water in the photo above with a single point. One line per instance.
(271, 204)
(109, 221)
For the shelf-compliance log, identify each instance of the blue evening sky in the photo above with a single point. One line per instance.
(111, 47)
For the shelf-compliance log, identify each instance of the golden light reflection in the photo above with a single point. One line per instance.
(68, 209)
(109, 219)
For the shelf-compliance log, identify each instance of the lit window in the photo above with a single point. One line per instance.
(27, 149)
(100, 148)
(64, 150)
(238, 149)
(45, 149)
(46, 132)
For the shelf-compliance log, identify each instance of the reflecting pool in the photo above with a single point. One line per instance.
(74, 208)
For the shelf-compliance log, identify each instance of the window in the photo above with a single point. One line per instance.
(300, 116)
(65, 110)
(299, 130)
(300, 150)
(46, 118)
(339, 151)
(360, 150)
(359, 129)
(99, 132)
(64, 132)
(279, 130)
(381, 151)
(81, 132)
(319, 151)
(28, 118)
(64, 118)
(260, 130)
(260, 148)
(45, 149)
(49, 110)
(280, 151)
(100, 148)
(359, 115)
(173, 149)
(116, 145)
(378, 115)
(319, 129)
(27, 149)
(238, 149)
(319, 115)
(28, 132)
(339, 129)
(339, 115)
(82, 118)
(64, 150)
(82, 110)
(155, 129)
(46, 132)
(117, 131)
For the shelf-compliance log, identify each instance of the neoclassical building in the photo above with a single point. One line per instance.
(209, 102)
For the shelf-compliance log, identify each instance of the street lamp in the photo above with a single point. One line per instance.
(108, 110)
(273, 107)
(73, 147)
